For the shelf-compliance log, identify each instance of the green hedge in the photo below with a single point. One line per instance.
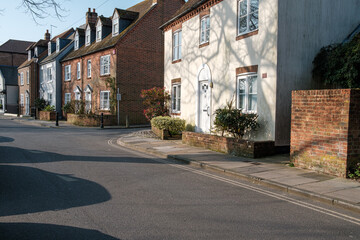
(173, 125)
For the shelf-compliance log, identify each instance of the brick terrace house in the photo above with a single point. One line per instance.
(128, 47)
(252, 51)
(28, 74)
(50, 68)
(12, 54)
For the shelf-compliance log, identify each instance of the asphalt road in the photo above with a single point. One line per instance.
(75, 183)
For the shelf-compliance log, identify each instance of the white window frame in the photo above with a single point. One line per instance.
(99, 32)
(49, 74)
(89, 68)
(105, 65)
(76, 41)
(176, 40)
(50, 98)
(245, 78)
(49, 48)
(88, 36)
(78, 70)
(104, 103)
(247, 15)
(27, 77)
(205, 29)
(21, 100)
(29, 55)
(22, 78)
(67, 73)
(115, 27)
(176, 98)
(88, 101)
(67, 98)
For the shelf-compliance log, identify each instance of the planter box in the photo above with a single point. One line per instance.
(237, 147)
(91, 120)
(47, 116)
(164, 134)
(325, 130)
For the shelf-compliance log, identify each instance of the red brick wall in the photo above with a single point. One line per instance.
(233, 146)
(31, 87)
(325, 129)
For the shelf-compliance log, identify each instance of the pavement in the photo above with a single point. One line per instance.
(272, 171)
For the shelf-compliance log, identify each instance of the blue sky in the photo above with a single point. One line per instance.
(16, 24)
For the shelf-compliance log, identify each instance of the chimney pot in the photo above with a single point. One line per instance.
(93, 10)
(89, 9)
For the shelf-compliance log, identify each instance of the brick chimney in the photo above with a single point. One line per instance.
(47, 35)
(91, 17)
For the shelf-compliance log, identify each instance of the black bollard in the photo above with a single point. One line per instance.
(57, 119)
(102, 120)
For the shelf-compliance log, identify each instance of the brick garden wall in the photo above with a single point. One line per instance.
(233, 146)
(325, 129)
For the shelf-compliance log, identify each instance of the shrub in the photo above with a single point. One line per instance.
(156, 102)
(173, 125)
(234, 121)
(68, 108)
(49, 108)
(41, 103)
(339, 64)
(354, 171)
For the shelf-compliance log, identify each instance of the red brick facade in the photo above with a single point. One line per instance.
(137, 62)
(325, 130)
(30, 88)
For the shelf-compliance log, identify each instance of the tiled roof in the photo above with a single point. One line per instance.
(187, 7)
(55, 54)
(65, 34)
(142, 8)
(40, 43)
(105, 21)
(15, 46)
(39, 59)
(126, 14)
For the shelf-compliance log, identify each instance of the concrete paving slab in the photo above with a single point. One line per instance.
(351, 195)
(251, 169)
(329, 186)
(293, 180)
(227, 165)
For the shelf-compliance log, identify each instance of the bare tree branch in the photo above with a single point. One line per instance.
(40, 9)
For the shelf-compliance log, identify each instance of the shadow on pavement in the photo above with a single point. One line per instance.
(22, 231)
(5, 139)
(28, 190)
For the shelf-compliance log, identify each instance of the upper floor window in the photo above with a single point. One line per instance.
(36, 52)
(49, 74)
(27, 77)
(205, 29)
(89, 68)
(98, 34)
(105, 100)
(67, 73)
(21, 78)
(247, 93)
(87, 36)
(248, 16)
(78, 70)
(22, 100)
(105, 65)
(29, 55)
(67, 98)
(177, 45)
(58, 45)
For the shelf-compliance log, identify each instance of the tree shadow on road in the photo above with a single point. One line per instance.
(26, 190)
(22, 231)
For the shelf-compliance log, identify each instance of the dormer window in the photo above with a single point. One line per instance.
(76, 41)
(98, 31)
(36, 52)
(49, 48)
(87, 36)
(115, 23)
(58, 45)
(29, 55)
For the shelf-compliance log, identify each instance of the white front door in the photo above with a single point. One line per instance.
(27, 104)
(204, 107)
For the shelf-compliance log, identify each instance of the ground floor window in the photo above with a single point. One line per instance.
(247, 93)
(88, 102)
(49, 98)
(176, 98)
(105, 100)
(22, 100)
(67, 98)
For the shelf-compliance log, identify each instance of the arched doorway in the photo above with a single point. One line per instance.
(204, 99)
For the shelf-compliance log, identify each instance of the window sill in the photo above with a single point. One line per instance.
(105, 75)
(204, 44)
(67, 80)
(176, 113)
(246, 35)
(176, 61)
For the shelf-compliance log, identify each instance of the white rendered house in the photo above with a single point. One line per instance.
(254, 52)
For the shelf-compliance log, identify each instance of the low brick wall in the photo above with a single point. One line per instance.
(238, 147)
(91, 120)
(325, 130)
(164, 135)
(47, 116)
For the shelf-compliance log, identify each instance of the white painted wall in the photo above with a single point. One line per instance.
(47, 85)
(223, 55)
